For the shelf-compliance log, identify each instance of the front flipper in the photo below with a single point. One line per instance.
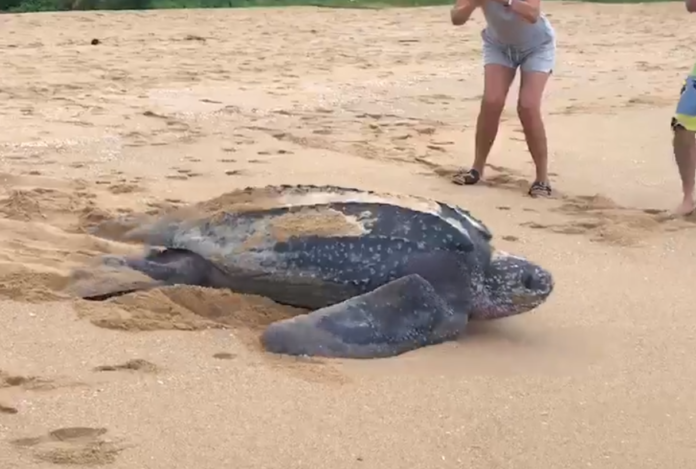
(395, 318)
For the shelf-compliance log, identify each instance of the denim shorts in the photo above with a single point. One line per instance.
(541, 58)
(685, 115)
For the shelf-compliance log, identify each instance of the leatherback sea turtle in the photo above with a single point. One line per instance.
(384, 273)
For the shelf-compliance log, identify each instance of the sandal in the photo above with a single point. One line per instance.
(468, 178)
(540, 189)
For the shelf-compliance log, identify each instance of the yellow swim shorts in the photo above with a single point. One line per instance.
(685, 116)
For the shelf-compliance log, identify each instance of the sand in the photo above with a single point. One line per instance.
(177, 107)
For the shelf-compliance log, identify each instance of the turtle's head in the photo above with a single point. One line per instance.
(513, 285)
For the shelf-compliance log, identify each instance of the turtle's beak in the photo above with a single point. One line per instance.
(538, 280)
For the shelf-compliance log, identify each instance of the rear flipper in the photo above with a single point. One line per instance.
(160, 268)
(178, 267)
(398, 317)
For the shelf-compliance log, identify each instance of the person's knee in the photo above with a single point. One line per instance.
(528, 108)
(493, 103)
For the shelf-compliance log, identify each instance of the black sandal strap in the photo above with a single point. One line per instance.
(468, 178)
(540, 188)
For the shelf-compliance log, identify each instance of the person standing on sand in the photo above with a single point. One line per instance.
(517, 35)
(684, 141)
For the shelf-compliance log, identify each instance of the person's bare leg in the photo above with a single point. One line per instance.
(529, 111)
(497, 81)
(684, 144)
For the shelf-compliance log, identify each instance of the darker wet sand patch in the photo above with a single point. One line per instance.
(73, 446)
(596, 216)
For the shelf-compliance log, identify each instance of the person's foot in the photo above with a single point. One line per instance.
(467, 177)
(687, 207)
(540, 189)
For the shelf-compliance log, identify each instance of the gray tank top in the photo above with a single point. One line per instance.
(507, 28)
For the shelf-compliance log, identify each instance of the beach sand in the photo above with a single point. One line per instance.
(174, 107)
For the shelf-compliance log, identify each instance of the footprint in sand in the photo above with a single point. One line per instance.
(35, 383)
(6, 409)
(235, 172)
(15, 157)
(436, 148)
(72, 446)
(507, 181)
(124, 188)
(519, 135)
(137, 364)
(425, 130)
(188, 172)
(154, 114)
(598, 230)
(8, 380)
(654, 211)
(183, 174)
